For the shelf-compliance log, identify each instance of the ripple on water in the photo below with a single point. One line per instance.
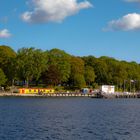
(69, 119)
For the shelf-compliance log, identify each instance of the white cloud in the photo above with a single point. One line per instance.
(4, 33)
(53, 10)
(132, 0)
(126, 23)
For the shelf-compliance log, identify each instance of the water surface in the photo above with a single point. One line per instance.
(69, 119)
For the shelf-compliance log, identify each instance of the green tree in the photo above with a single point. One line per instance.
(89, 75)
(2, 78)
(52, 75)
(101, 71)
(6, 54)
(7, 59)
(77, 72)
(79, 80)
(61, 60)
(40, 63)
(31, 63)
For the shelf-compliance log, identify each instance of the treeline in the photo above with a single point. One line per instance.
(30, 66)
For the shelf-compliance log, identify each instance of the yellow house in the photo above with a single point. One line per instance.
(35, 90)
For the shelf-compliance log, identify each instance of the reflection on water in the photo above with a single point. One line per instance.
(69, 119)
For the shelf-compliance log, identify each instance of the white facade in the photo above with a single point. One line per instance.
(107, 89)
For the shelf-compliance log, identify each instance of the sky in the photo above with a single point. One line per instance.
(80, 27)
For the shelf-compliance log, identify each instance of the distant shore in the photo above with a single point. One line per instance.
(107, 96)
(47, 95)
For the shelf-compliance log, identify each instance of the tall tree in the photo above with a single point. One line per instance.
(31, 63)
(77, 72)
(2, 77)
(40, 63)
(61, 60)
(79, 80)
(7, 59)
(52, 75)
(89, 75)
(101, 71)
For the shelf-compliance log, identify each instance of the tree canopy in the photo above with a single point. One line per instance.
(31, 63)
(7, 59)
(2, 77)
(56, 67)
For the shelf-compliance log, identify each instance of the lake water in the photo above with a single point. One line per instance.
(69, 119)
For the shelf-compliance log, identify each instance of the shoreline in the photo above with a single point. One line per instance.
(58, 95)
(47, 95)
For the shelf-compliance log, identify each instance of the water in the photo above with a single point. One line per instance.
(69, 119)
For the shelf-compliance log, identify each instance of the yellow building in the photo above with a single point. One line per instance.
(35, 90)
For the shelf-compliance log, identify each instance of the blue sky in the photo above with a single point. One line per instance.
(92, 27)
